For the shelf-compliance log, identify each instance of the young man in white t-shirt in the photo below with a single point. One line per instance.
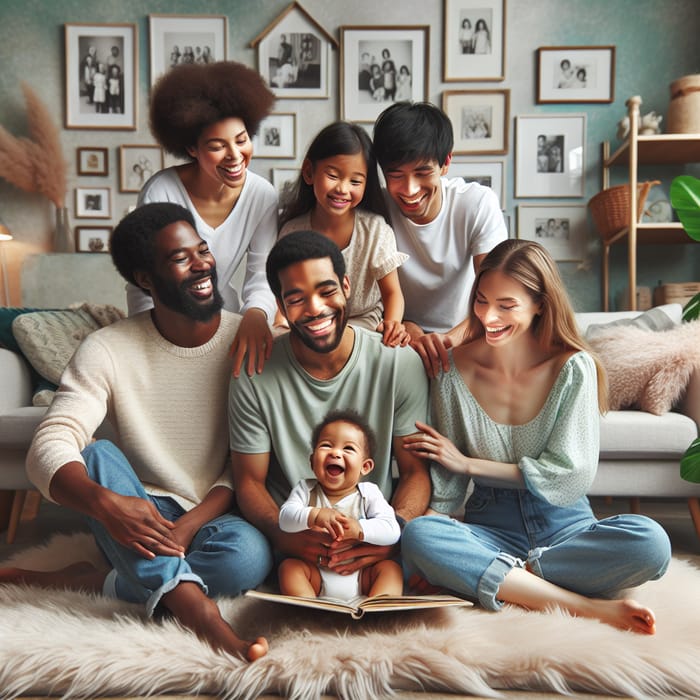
(446, 226)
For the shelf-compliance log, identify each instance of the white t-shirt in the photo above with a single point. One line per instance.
(247, 234)
(437, 278)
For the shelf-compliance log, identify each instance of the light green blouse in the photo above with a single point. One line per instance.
(557, 451)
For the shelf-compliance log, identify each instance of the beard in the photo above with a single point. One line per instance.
(321, 345)
(178, 298)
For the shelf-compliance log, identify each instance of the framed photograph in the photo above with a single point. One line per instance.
(93, 203)
(490, 173)
(294, 54)
(575, 74)
(560, 228)
(92, 161)
(284, 178)
(101, 76)
(137, 164)
(379, 66)
(473, 40)
(479, 120)
(276, 137)
(549, 155)
(92, 239)
(179, 39)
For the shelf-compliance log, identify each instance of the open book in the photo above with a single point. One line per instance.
(357, 607)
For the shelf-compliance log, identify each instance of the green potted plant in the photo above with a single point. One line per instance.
(685, 199)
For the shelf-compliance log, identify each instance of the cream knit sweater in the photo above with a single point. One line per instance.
(167, 405)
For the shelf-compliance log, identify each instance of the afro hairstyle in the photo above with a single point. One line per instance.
(192, 96)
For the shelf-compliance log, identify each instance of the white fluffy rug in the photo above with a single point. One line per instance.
(73, 645)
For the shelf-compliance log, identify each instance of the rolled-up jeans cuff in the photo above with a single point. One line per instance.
(492, 579)
(109, 588)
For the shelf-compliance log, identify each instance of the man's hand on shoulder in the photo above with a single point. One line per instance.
(432, 348)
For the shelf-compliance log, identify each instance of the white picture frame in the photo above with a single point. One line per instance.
(92, 239)
(284, 179)
(137, 163)
(467, 57)
(490, 173)
(172, 35)
(560, 228)
(294, 55)
(575, 74)
(93, 203)
(363, 48)
(108, 45)
(550, 155)
(479, 120)
(276, 137)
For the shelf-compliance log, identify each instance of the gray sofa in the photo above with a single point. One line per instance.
(639, 455)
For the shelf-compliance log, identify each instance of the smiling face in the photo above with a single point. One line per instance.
(314, 302)
(223, 152)
(340, 458)
(504, 307)
(338, 183)
(184, 275)
(416, 188)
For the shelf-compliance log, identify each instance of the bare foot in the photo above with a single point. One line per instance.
(80, 576)
(626, 614)
(190, 605)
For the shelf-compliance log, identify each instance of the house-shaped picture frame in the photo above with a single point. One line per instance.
(294, 55)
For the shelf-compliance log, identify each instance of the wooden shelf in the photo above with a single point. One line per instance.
(654, 234)
(659, 149)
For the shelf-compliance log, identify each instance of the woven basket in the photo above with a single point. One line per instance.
(610, 208)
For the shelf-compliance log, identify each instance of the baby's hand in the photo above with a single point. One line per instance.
(330, 520)
(353, 530)
(394, 333)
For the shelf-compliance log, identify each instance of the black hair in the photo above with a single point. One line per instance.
(347, 415)
(297, 247)
(412, 131)
(340, 138)
(133, 241)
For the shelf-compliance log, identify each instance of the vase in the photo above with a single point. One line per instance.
(62, 235)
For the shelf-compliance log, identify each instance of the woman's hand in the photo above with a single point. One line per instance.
(432, 348)
(429, 444)
(253, 339)
(394, 333)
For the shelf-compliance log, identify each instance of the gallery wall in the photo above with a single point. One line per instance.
(655, 42)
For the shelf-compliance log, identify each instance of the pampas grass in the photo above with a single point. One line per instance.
(35, 164)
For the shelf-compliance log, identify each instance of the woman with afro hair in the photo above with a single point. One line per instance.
(207, 114)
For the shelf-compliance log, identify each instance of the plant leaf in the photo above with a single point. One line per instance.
(690, 462)
(691, 311)
(685, 199)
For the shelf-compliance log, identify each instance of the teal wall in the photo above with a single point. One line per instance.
(656, 42)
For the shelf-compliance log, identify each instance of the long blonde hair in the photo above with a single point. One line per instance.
(555, 328)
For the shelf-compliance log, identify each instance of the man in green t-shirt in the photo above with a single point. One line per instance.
(320, 365)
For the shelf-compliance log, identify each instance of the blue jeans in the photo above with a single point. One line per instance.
(227, 556)
(564, 545)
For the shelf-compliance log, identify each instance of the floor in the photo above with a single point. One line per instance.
(673, 515)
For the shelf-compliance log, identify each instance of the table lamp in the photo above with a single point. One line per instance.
(5, 235)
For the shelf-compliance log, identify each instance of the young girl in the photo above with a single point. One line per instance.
(99, 94)
(338, 195)
(516, 410)
(482, 38)
(403, 84)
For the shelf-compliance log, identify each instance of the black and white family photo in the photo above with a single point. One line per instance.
(550, 153)
(101, 79)
(296, 62)
(385, 71)
(477, 122)
(474, 31)
(572, 75)
(552, 228)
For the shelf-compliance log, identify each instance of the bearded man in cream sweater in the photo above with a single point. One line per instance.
(159, 499)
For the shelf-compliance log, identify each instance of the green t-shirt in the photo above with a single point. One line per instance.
(276, 411)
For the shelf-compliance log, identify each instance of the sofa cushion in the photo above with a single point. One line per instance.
(640, 435)
(17, 426)
(48, 339)
(646, 369)
(655, 319)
